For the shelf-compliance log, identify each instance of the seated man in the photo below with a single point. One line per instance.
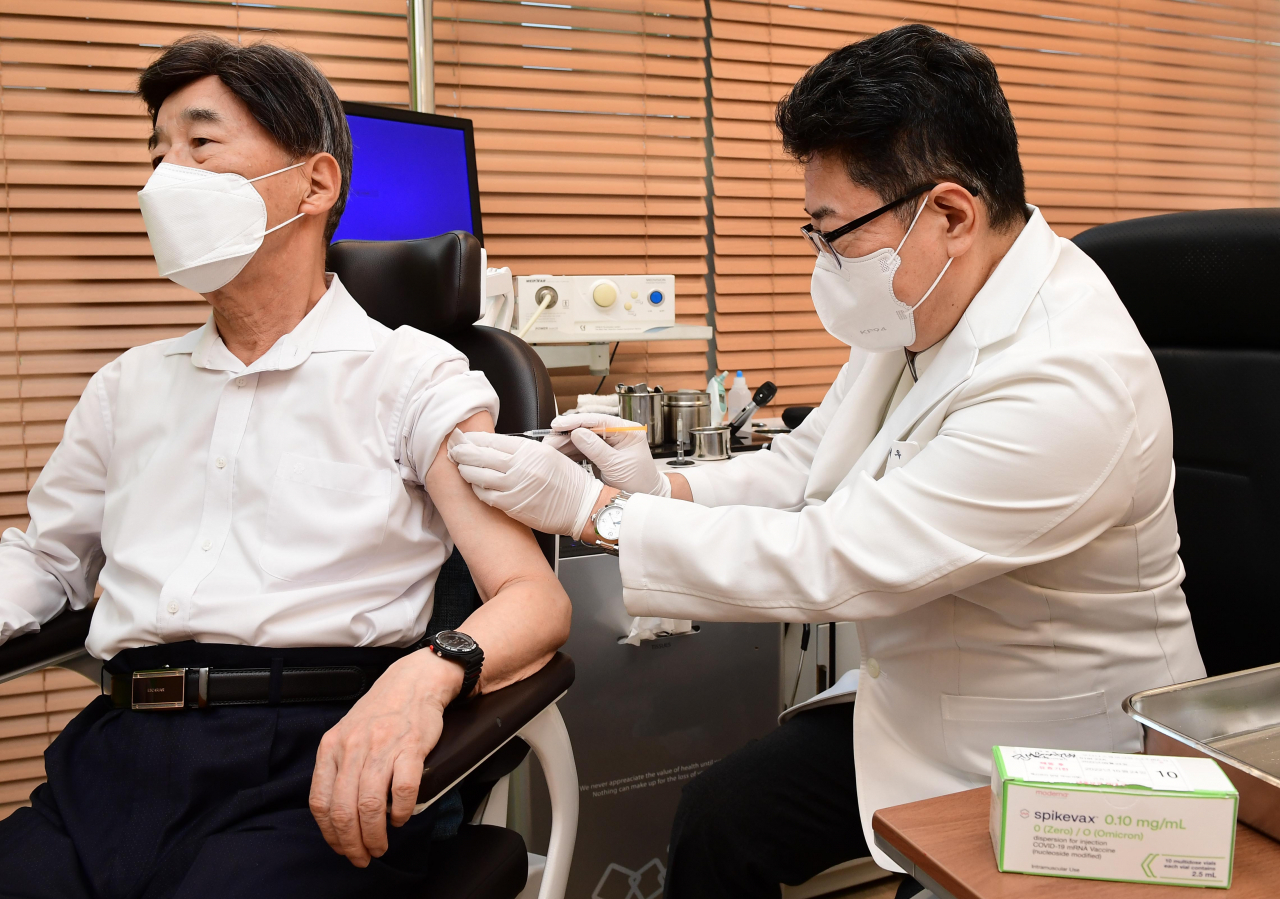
(270, 492)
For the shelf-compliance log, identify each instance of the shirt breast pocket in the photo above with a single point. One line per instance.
(324, 519)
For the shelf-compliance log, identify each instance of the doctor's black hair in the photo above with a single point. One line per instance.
(283, 90)
(908, 107)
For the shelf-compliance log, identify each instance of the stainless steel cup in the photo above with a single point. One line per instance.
(694, 406)
(711, 443)
(643, 406)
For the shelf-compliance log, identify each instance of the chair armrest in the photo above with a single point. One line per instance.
(475, 730)
(59, 640)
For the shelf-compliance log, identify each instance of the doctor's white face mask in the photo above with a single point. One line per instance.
(204, 226)
(856, 302)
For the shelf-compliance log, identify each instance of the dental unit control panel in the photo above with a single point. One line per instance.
(593, 306)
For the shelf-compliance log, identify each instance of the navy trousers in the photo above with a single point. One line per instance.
(194, 804)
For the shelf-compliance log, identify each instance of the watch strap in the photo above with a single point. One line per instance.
(472, 664)
(470, 677)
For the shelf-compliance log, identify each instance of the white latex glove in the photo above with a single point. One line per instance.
(623, 458)
(531, 482)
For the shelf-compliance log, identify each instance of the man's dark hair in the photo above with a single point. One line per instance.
(283, 89)
(905, 108)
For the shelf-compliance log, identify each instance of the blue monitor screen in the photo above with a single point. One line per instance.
(408, 180)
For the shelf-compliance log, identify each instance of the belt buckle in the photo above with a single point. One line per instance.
(163, 688)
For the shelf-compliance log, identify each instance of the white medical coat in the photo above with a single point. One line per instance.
(1012, 582)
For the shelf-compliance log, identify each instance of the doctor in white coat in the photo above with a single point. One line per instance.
(993, 506)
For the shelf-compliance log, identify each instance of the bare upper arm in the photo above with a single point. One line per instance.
(498, 549)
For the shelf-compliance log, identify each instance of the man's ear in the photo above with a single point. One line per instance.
(963, 213)
(325, 183)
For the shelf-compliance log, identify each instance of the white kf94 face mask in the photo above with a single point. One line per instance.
(856, 302)
(204, 226)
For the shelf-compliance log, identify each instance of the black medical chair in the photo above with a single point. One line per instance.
(434, 285)
(392, 279)
(1204, 290)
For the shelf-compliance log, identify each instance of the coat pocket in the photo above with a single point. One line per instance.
(971, 725)
(324, 519)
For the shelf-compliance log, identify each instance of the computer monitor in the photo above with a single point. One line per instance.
(412, 175)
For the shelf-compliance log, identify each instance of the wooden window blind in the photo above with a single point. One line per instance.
(78, 284)
(590, 136)
(1123, 108)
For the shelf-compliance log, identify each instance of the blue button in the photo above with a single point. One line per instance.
(656, 297)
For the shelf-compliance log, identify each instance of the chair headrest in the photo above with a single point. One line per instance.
(1196, 279)
(432, 284)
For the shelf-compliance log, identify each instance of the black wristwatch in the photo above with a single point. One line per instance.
(458, 647)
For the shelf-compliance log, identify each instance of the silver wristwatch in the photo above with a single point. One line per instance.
(608, 523)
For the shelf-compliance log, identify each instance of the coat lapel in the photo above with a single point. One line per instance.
(854, 424)
(951, 367)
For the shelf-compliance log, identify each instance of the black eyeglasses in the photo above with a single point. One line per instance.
(822, 240)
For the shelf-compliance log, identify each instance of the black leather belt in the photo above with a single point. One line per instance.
(198, 688)
(191, 675)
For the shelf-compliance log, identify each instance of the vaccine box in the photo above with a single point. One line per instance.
(1110, 816)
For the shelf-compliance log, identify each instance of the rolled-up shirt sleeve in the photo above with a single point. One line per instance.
(58, 558)
(442, 394)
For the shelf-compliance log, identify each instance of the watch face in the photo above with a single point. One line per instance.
(452, 641)
(609, 523)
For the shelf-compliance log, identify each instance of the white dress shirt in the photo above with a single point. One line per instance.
(273, 504)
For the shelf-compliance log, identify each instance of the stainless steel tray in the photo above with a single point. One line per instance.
(1233, 719)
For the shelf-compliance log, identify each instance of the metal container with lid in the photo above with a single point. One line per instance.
(1233, 719)
(636, 402)
(694, 406)
(711, 443)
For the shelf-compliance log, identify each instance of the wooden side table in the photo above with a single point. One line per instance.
(945, 844)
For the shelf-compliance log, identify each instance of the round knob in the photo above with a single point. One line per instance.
(627, 305)
(605, 293)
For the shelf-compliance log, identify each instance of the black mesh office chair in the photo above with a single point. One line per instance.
(434, 285)
(1204, 290)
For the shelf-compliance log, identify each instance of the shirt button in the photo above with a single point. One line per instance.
(220, 462)
(208, 545)
(172, 607)
(873, 667)
(239, 382)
